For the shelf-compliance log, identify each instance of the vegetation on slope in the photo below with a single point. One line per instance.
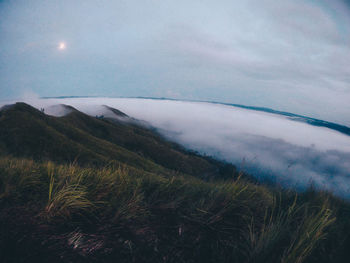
(73, 214)
(77, 137)
(122, 202)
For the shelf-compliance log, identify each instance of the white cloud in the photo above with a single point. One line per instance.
(267, 145)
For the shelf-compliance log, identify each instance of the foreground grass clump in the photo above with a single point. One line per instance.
(123, 214)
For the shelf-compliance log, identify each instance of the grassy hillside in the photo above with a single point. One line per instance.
(65, 212)
(84, 189)
(77, 137)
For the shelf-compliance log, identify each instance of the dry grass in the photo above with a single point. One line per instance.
(220, 221)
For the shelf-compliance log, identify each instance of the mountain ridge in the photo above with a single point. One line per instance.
(28, 132)
(344, 129)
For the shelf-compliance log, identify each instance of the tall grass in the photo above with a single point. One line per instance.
(310, 231)
(68, 200)
(173, 219)
(294, 229)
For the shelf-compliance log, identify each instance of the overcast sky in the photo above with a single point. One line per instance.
(290, 55)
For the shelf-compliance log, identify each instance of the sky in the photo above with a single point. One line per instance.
(268, 146)
(290, 55)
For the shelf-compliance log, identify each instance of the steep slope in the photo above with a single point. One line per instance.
(63, 212)
(128, 134)
(28, 132)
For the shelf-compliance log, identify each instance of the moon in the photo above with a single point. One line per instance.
(61, 46)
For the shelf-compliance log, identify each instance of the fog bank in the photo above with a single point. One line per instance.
(267, 145)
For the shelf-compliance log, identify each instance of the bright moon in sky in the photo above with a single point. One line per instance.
(61, 46)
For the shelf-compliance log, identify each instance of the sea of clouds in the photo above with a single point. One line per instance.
(269, 146)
